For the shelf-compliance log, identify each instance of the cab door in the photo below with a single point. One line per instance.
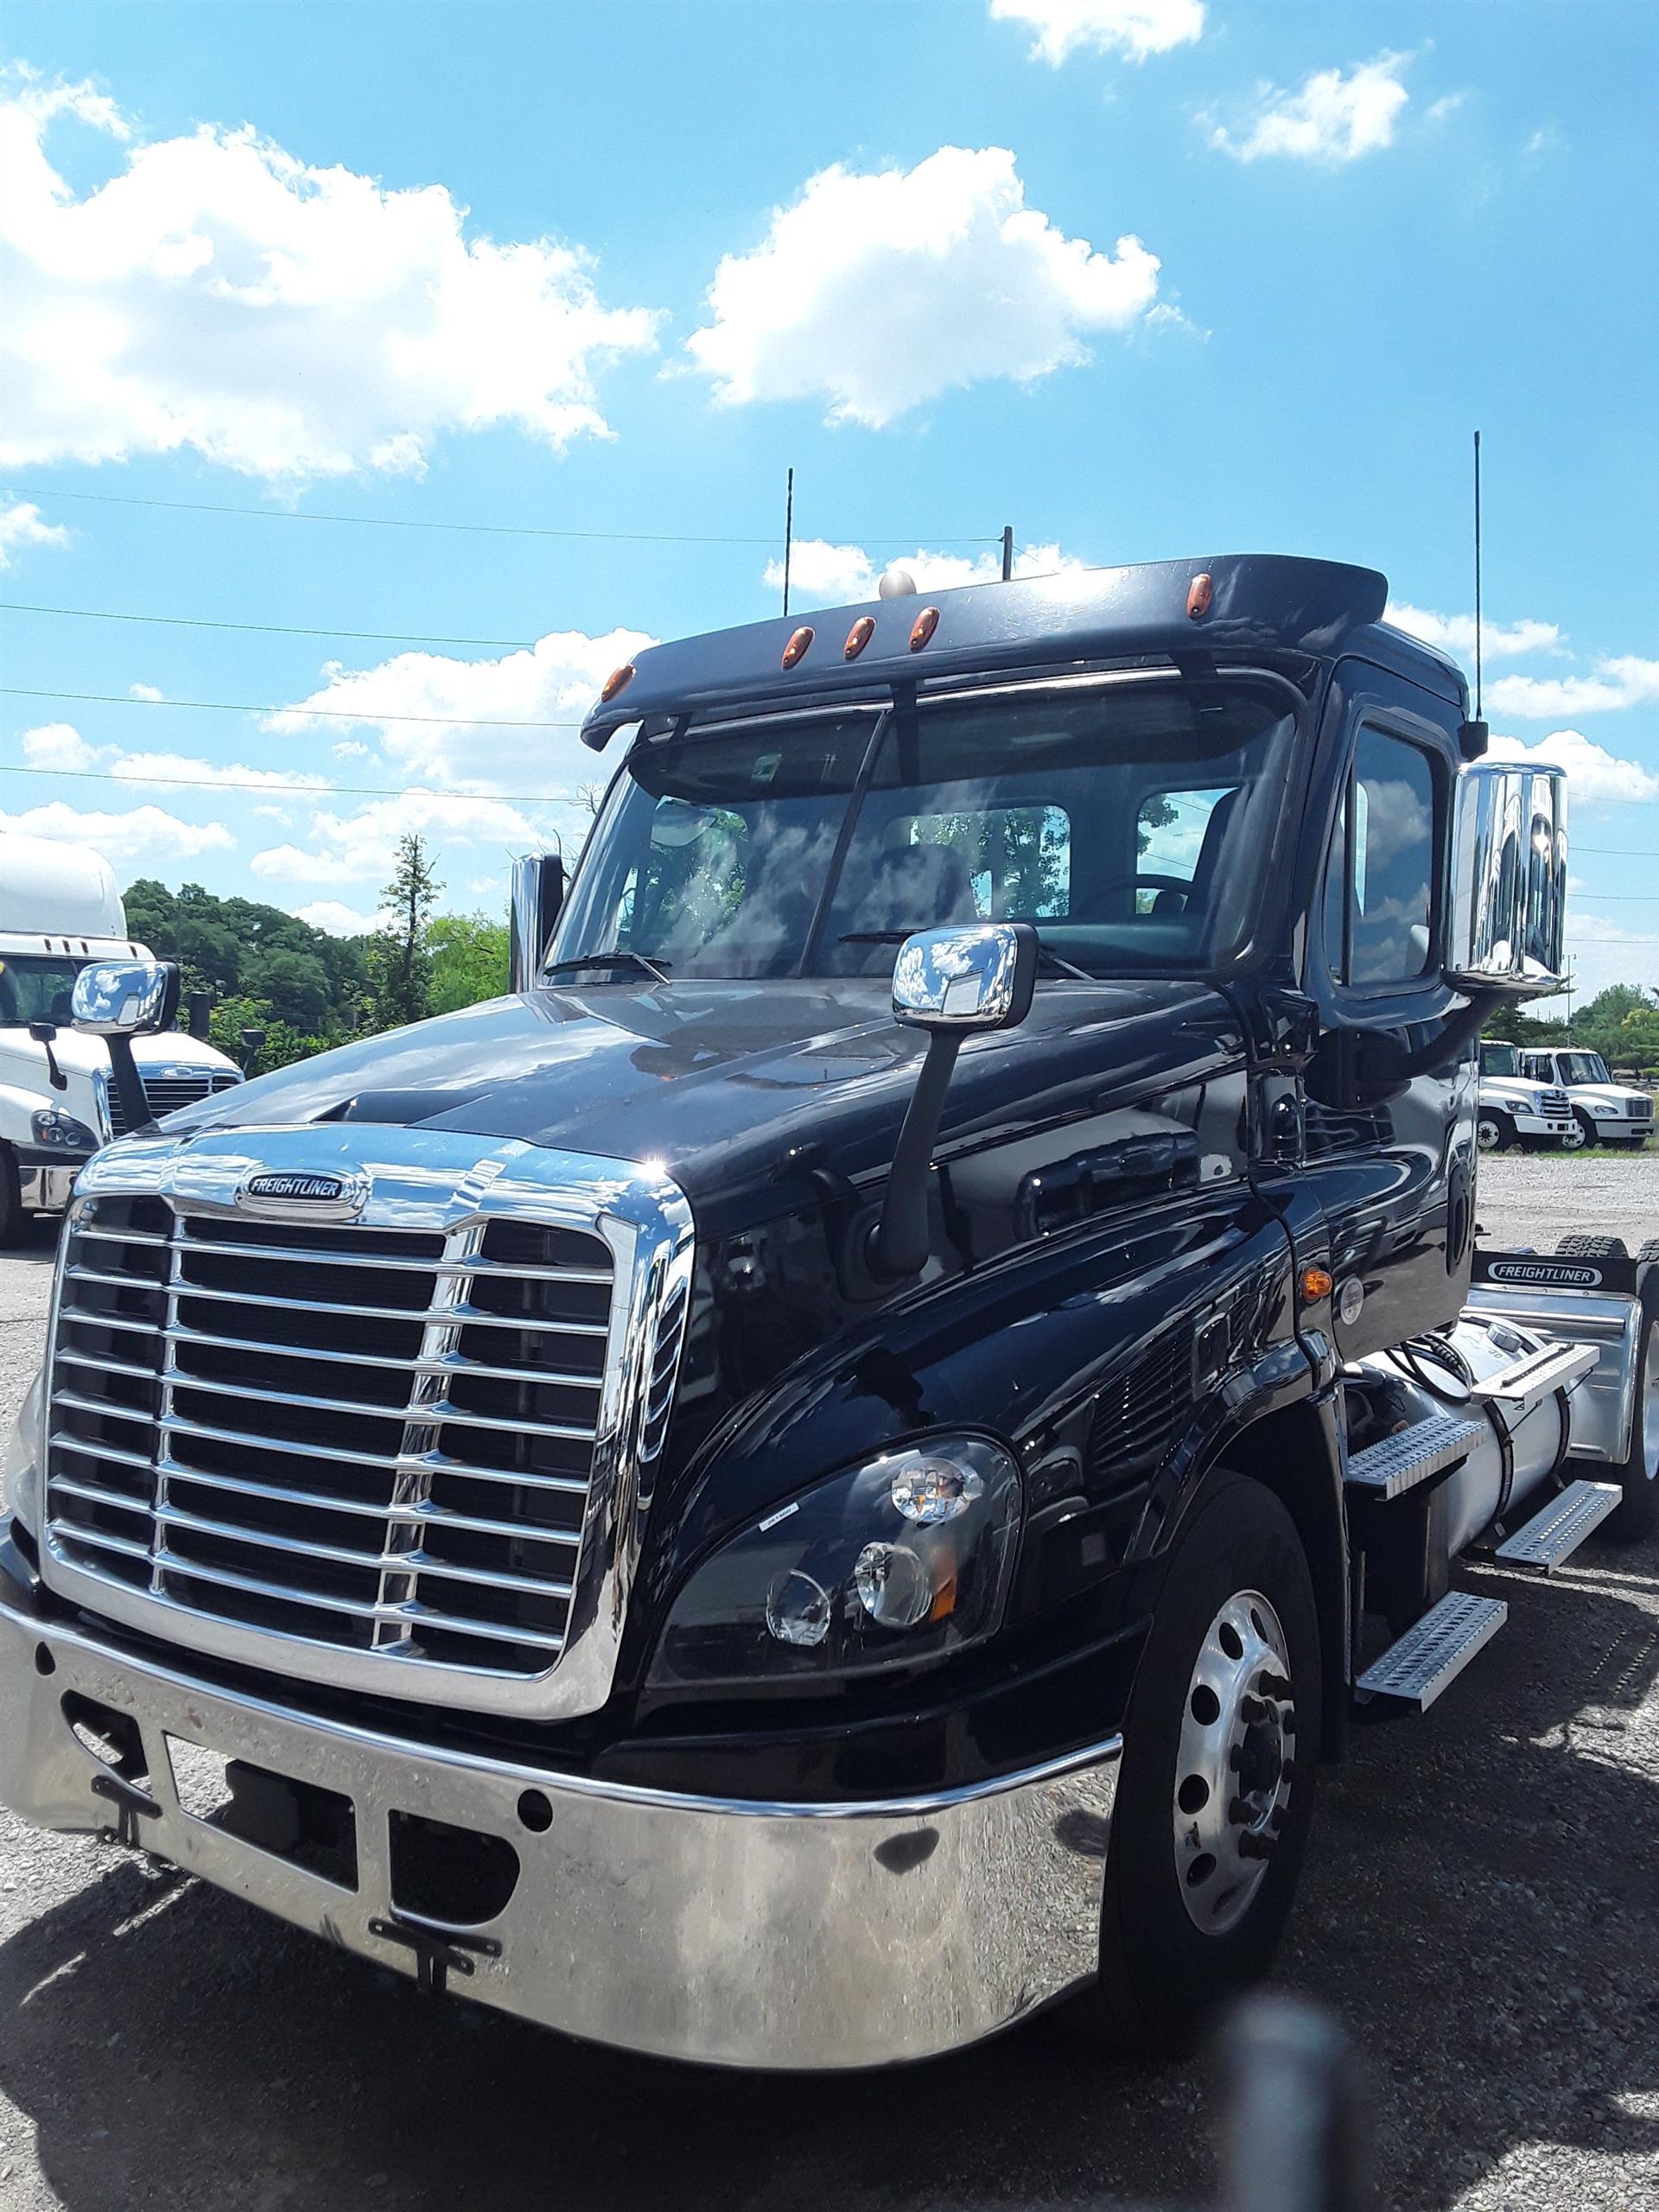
(1391, 1161)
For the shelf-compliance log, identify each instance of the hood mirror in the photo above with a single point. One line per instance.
(977, 976)
(119, 999)
(538, 895)
(1509, 880)
(950, 982)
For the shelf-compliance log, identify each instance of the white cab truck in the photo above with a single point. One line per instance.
(59, 911)
(1518, 1108)
(1604, 1112)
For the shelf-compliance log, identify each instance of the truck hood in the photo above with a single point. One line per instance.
(1517, 1090)
(1616, 1096)
(21, 1060)
(729, 1083)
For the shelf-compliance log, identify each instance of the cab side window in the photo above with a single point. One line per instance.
(1379, 888)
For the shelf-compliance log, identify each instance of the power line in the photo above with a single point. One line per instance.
(263, 629)
(484, 529)
(241, 707)
(261, 784)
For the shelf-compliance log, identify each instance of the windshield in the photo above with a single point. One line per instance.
(1499, 1059)
(1131, 824)
(1582, 1067)
(35, 987)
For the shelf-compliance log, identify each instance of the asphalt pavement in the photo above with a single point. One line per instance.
(1481, 1912)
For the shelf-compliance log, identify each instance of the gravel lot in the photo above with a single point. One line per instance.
(1482, 1910)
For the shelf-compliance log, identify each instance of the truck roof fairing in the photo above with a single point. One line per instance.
(1258, 604)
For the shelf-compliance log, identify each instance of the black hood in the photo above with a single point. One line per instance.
(728, 1083)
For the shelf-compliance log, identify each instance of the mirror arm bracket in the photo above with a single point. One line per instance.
(898, 1244)
(129, 1085)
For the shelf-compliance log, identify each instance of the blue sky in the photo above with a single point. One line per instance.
(1140, 277)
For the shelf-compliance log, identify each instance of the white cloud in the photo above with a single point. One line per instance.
(1331, 119)
(20, 525)
(552, 683)
(59, 746)
(1547, 139)
(1601, 952)
(1593, 774)
(1455, 633)
(1132, 28)
(350, 748)
(876, 292)
(360, 847)
(336, 918)
(1621, 680)
(184, 767)
(145, 833)
(825, 575)
(286, 321)
(145, 691)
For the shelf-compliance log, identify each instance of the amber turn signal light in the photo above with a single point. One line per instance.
(858, 636)
(1199, 592)
(798, 645)
(1316, 1283)
(923, 627)
(616, 682)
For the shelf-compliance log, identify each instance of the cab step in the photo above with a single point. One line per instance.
(1530, 1380)
(1399, 1462)
(1556, 1533)
(1434, 1650)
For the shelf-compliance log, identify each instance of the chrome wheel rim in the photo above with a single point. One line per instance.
(1575, 1140)
(1651, 1405)
(1234, 1771)
(1486, 1134)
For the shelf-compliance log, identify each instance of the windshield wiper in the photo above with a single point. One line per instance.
(620, 958)
(1056, 964)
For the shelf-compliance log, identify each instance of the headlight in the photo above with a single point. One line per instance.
(19, 1478)
(899, 1560)
(60, 1131)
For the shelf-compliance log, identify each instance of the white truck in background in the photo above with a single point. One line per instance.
(1604, 1112)
(61, 909)
(1517, 1107)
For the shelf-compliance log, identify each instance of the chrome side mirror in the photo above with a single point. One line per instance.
(977, 976)
(1509, 880)
(125, 998)
(538, 895)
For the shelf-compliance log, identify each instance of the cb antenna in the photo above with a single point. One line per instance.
(1473, 735)
(789, 531)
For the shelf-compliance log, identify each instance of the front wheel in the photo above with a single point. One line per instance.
(1582, 1133)
(1216, 1791)
(12, 1209)
(1494, 1132)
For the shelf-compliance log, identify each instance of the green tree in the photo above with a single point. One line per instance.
(400, 959)
(469, 960)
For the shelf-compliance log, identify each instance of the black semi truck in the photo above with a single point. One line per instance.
(829, 1471)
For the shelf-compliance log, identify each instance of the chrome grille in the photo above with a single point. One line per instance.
(164, 1092)
(1555, 1105)
(370, 1440)
(1640, 1110)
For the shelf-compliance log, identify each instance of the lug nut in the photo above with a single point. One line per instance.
(1241, 1813)
(1252, 1709)
(1272, 1685)
(1255, 1847)
(1234, 1758)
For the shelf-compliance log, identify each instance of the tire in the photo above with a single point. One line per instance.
(11, 1208)
(1586, 1133)
(1162, 1972)
(1638, 1514)
(1581, 1247)
(1494, 1132)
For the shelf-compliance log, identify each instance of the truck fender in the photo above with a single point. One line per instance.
(1282, 1432)
(18, 1109)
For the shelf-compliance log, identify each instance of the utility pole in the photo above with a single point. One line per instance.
(1008, 551)
(789, 531)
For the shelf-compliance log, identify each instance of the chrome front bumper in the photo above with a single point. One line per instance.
(809, 1935)
(47, 1186)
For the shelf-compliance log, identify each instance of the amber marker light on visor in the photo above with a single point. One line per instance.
(858, 636)
(923, 627)
(1198, 595)
(798, 645)
(1316, 1283)
(616, 682)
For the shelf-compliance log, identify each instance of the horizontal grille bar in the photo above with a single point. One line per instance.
(411, 1611)
(411, 1515)
(483, 1269)
(457, 1314)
